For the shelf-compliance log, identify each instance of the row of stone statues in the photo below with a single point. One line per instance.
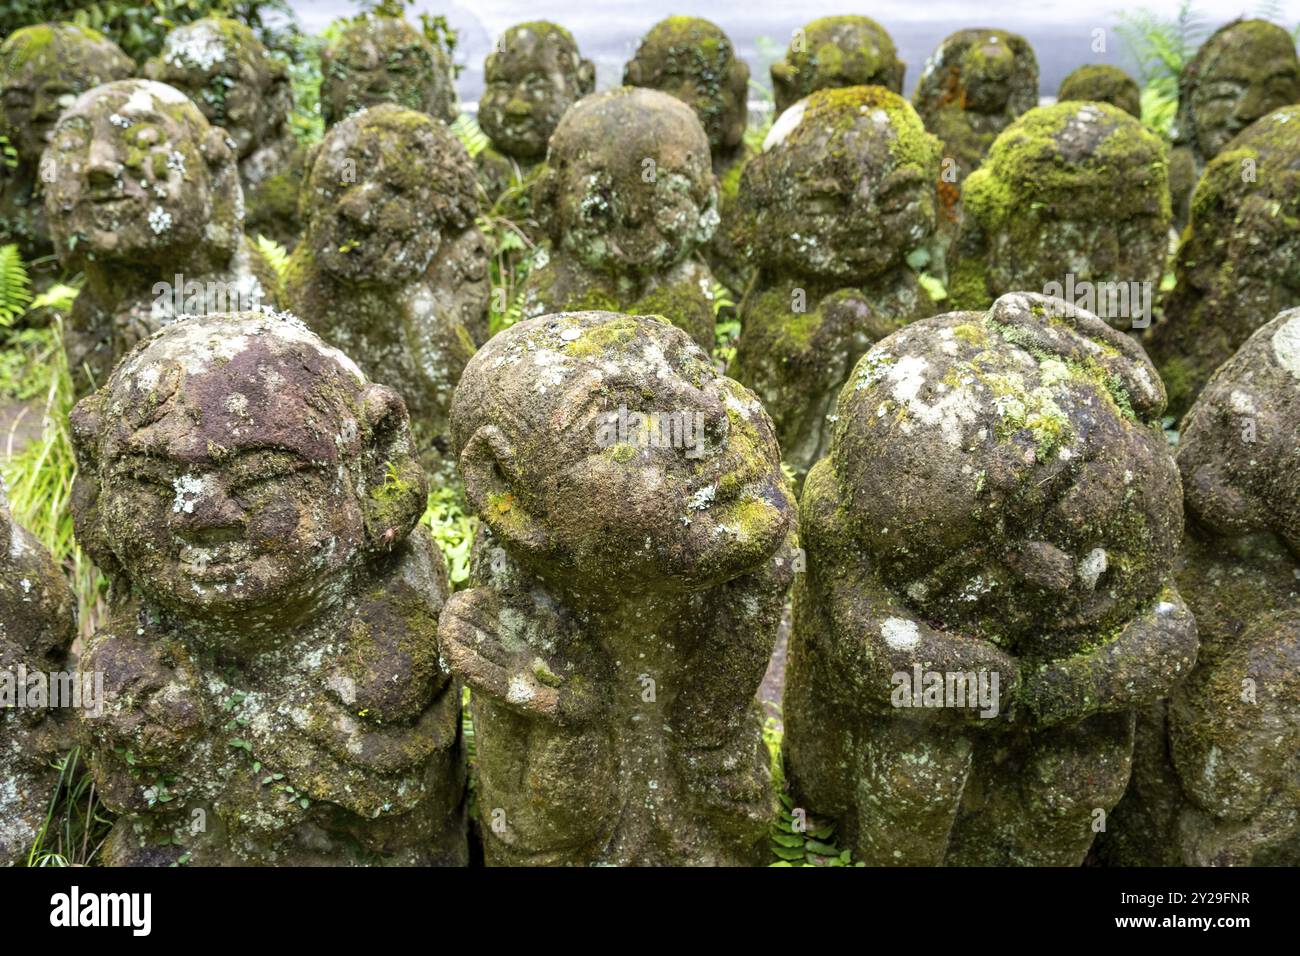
(998, 503)
(985, 493)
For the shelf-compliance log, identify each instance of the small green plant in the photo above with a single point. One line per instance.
(796, 837)
(76, 823)
(453, 531)
(15, 285)
(470, 134)
(276, 255)
(1161, 47)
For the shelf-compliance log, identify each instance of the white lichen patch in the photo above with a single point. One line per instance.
(900, 633)
(1286, 345)
(190, 490)
(1092, 566)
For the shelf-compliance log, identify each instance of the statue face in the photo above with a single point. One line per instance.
(238, 87)
(1235, 90)
(529, 86)
(628, 197)
(619, 508)
(384, 227)
(131, 179)
(843, 217)
(383, 60)
(35, 93)
(988, 70)
(1089, 249)
(235, 493)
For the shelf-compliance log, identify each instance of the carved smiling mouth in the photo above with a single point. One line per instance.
(209, 565)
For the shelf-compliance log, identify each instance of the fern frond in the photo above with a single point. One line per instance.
(276, 254)
(15, 285)
(470, 134)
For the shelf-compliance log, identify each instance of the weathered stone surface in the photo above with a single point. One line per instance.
(1216, 780)
(1245, 70)
(533, 75)
(381, 59)
(829, 213)
(1237, 266)
(625, 595)
(42, 70)
(626, 197)
(998, 499)
(972, 87)
(221, 65)
(392, 269)
(144, 191)
(833, 52)
(1069, 194)
(271, 667)
(36, 632)
(1102, 83)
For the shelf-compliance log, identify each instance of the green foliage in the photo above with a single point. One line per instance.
(453, 531)
(726, 325)
(76, 823)
(302, 59)
(8, 154)
(512, 260)
(435, 27)
(15, 285)
(470, 134)
(139, 27)
(797, 838)
(275, 254)
(1161, 47)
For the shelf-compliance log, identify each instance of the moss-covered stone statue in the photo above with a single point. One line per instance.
(533, 75)
(626, 200)
(832, 52)
(392, 269)
(42, 70)
(972, 87)
(1245, 70)
(1073, 199)
(626, 591)
(831, 212)
(145, 200)
(694, 60)
(222, 66)
(1216, 773)
(382, 59)
(988, 596)
(1102, 83)
(36, 632)
(1239, 261)
(273, 691)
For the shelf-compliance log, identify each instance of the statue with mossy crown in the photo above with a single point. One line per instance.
(833, 52)
(626, 591)
(833, 214)
(1102, 83)
(273, 691)
(989, 593)
(1237, 264)
(626, 200)
(383, 59)
(533, 75)
(1244, 71)
(1072, 200)
(972, 87)
(392, 268)
(37, 628)
(1216, 774)
(43, 69)
(221, 65)
(145, 199)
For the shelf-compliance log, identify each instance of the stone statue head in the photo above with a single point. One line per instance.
(1102, 83)
(1238, 452)
(221, 65)
(387, 186)
(1246, 69)
(844, 188)
(533, 76)
(628, 184)
(236, 468)
(1006, 470)
(565, 428)
(693, 60)
(980, 71)
(139, 176)
(836, 51)
(43, 69)
(382, 59)
(1074, 189)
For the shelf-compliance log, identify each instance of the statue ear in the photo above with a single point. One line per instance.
(396, 491)
(86, 425)
(543, 195)
(489, 469)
